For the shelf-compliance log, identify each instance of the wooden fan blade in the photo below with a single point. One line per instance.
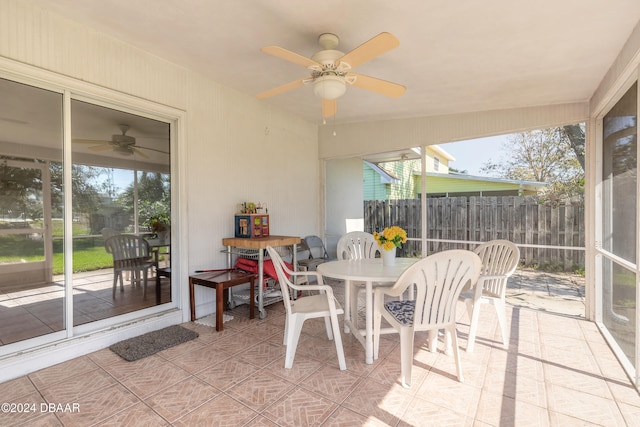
(329, 107)
(90, 141)
(139, 153)
(368, 50)
(382, 87)
(99, 145)
(152, 149)
(287, 55)
(280, 89)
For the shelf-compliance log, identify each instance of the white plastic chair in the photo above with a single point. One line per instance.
(437, 280)
(499, 260)
(306, 307)
(356, 245)
(130, 254)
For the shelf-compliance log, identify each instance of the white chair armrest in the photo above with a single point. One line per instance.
(490, 285)
(326, 288)
(307, 274)
(391, 291)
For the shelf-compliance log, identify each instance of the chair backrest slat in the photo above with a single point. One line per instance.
(357, 245)
(126, 247)
(499, 258)
(438, 280)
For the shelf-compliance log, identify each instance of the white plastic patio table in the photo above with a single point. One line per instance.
(369, 271)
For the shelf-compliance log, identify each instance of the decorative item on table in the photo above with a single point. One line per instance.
(159, 225)
(250, 222)
(252, 208)
(390, 239)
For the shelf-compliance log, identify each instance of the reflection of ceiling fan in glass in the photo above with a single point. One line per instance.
(122, 144)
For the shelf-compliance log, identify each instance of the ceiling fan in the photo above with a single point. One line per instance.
(331, 70)
(122, 144)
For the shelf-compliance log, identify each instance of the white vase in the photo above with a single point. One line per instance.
(162, 236)
(388, 257)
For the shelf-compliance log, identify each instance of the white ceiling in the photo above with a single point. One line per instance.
(457, 56)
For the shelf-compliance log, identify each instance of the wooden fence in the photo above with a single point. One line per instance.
(541, 230)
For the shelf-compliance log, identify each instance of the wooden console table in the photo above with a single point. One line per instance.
(220, 280)
(260, 244)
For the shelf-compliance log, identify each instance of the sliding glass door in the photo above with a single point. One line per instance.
(618, 260)
(120, 181)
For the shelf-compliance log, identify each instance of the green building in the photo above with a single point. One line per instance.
(401, 180)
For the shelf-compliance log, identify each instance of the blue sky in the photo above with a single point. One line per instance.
(471, 155)
(122, 179)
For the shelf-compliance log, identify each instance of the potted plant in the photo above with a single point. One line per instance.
(159, 225)
(390, 239)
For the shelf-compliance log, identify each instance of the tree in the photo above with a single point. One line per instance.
(18, 187)
(154, 197)
(575, 134)
(85, 188)
(554, 156)
(462, 172)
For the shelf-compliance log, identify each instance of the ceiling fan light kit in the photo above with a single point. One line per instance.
(329, 87)
(331, 70)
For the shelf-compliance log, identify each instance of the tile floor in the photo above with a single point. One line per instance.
(557, 371)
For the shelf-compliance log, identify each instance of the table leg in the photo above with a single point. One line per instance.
(261, 312)
(347, 306)
(230, 301)
(156, 256)
(192, 300)
(294, 257)
(219, 306)
(158, 288)
(369, 320)
(251, 296)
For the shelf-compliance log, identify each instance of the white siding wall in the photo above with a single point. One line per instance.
(51, 42)
(241, 150)
(344, 198)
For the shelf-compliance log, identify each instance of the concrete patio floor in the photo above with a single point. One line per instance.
(556, 293)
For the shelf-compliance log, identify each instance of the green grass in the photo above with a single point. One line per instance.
(15, 248)
(85, 259)
(88, 254)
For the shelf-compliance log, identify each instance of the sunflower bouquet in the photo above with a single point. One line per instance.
(391, 237)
